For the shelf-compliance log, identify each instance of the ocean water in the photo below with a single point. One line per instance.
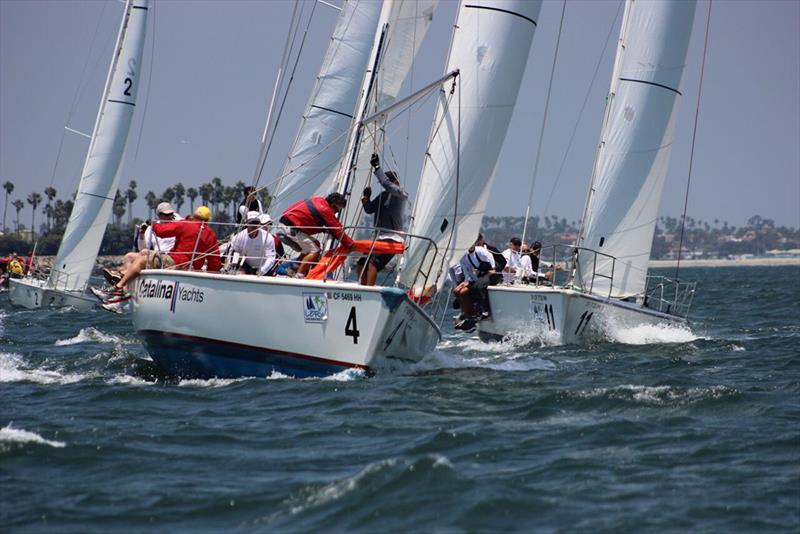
(656, 429)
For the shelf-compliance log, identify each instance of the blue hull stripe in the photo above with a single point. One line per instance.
(197, 357)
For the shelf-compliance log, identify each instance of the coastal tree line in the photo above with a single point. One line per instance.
(694, 237)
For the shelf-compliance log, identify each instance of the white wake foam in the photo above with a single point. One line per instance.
(127, 380)
(648, 334)
(89, 335)
(14, 369)
(210, 382)
(9, 434)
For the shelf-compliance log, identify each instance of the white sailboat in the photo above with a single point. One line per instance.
(608, 280)
(308, 327)
(80, 244)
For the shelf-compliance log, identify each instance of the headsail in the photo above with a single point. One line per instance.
(635, 145)
(314, 157)
(490, 48)
(99, 178)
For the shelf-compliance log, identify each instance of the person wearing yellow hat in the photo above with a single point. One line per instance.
(203, 213)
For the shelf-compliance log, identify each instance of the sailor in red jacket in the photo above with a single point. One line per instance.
(191, 248)
(195, 244)
(312, 216)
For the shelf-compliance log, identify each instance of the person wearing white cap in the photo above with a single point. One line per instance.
(255, 245)
(148, 240)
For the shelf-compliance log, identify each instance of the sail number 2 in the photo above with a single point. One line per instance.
(351, 327)
(131, 74)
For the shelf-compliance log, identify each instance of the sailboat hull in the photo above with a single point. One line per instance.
(210, 325)
(565, 316)
(32, 294)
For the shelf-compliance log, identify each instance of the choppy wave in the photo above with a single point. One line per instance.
(659, 395)
(8, 434)
(13, 368)
(89, 335)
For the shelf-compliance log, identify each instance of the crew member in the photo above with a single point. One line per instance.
(250, 203)
(389, 209)
(195, 244)
(513, 258)
(312, 216)
(477, 267)
(256, 247)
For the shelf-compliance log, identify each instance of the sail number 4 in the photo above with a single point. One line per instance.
(351, 327)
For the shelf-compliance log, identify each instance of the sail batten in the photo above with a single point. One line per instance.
(490, 47)
(322, 136)
(635, 147)
(100, 175)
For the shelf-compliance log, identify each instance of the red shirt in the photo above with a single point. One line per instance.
(186, 237)
(324, 220)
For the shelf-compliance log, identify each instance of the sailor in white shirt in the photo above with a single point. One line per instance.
(530, 263)
(148, 240)
(255, 246)
(513, 260)
(476, 266)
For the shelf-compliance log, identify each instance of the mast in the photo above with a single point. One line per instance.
(635, 145)
(99, 177)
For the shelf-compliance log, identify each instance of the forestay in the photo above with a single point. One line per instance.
(314, 157)
(404, 25)
(99, 177)
(490, 48)
(635, 146)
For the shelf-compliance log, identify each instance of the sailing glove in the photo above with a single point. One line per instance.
(367, 192)
(375, 161)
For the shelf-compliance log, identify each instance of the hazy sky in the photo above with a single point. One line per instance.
(215, 64)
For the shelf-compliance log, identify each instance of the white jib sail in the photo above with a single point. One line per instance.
(407, 25)
(635, 146)
(490, 47)
(314, 157)
(99, 177)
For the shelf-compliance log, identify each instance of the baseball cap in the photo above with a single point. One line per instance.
(254, 217)
(165, 208)
(265, 219)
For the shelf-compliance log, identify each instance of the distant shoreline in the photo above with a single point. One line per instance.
(745, 262)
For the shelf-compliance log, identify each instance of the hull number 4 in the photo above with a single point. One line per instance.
(351, 327)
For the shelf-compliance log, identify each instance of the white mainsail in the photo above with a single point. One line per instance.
(490, 48)
(635, 146)
(99, 177)
(314, 157)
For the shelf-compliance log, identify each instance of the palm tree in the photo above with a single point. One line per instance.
(34, 199)
(49, 211)
(50, 193)
(180, 191)
(18, 204)
(206, 192)
(219, 192)
(151, 200)
(131, 196)
(168, 195)
(228, 198)
(118, 208)
(9, 187)
(192, 194)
